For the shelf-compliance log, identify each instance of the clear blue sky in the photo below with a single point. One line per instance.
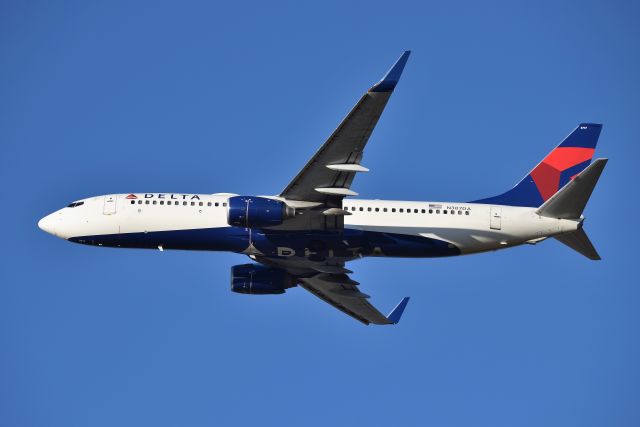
(235, 96)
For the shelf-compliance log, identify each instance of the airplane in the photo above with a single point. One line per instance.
(307, 234)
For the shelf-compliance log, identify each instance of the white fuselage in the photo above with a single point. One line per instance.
(199, 221)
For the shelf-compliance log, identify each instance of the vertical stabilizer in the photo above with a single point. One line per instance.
(563, 163)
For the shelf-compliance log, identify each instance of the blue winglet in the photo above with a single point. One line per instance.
(390, 80)
(396, 313)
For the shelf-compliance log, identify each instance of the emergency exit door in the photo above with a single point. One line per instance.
(496, 217)
(109, 207)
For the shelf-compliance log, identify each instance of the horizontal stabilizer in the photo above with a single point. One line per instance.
(579, 242)
(570, 200)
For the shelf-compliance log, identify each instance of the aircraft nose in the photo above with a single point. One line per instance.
(47, 224)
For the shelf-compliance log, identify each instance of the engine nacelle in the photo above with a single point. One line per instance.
(259, 279)
(251, 211)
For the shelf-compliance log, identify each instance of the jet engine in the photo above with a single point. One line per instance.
(251, 211)
(259, 279)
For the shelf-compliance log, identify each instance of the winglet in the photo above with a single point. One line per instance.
(396, 313)
(390, 80)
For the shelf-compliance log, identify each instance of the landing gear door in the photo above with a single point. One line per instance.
(496, 218)
(110, 202)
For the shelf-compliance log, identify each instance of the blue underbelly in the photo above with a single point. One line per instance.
(315, 245)
(233, 239)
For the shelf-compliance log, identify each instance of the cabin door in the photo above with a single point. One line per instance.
(109, 207)
(496, 218)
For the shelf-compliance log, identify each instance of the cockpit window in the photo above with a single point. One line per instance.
(75, 204)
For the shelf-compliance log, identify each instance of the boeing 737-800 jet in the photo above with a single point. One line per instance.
(308, 233)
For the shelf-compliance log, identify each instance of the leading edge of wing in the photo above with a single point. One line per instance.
(390, 80)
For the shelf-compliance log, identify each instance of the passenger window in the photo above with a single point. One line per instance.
(155, 202)
(444, 211)
(208, 203)
(146, 202)
(415, 211)
(377, 209)
(401, 210)
(201, 204)
(193, 203)
(384, 209)
(424, 211)
(459, 212)
(162, 202)
(393, 209)
(361, 208)
(437, 211)
(430, 211)
(133, 202)
(139, 202)
(466, 212)
(224, 204)
(353, 208)
(368, 209)
(216, 204)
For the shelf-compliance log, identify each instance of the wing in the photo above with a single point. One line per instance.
(342, 293)
(327, 176)
(330, 282)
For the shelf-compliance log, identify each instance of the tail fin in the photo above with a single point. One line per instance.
(579, 242)
(570, 201)
(566, 161)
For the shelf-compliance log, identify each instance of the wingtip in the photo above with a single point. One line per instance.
(390, 80)
(396, 313)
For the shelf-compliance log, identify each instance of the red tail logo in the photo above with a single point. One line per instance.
(131, 196)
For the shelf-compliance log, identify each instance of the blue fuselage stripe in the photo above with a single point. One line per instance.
(349, 243)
